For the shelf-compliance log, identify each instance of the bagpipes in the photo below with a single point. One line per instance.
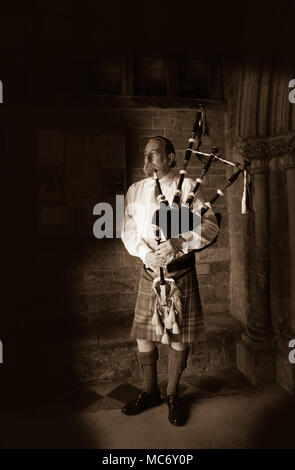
(168, 307)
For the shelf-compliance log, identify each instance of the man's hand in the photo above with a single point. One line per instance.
(168, 249)
(164, 253)
(155, 262)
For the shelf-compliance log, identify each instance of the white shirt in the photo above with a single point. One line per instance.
(140, 205)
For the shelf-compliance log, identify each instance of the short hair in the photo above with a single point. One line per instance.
(169, 147)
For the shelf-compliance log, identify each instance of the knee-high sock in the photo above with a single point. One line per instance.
(148, 364)
(177, 361)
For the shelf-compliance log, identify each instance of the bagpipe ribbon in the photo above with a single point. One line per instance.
(247, 197)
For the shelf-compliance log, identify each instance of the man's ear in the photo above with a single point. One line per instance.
(171, 158)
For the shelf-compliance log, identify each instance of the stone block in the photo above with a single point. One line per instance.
(115, 327)
(212, 308)
(170, 123)
(177, 137)
(216, 181)
(285, 371)
(124, 260)
(185, 118)
(220, 280)
(203, 280)
(210, 294)
(256, 361)
(141, 120)
(125, 281)
(219, 267)
(202, 268)
(123, 301)
(212, 254)
(217, 171)
(132, 114)
(146, 134)
(99, 281)
(223, 239)
(99, 261)
(99, 303)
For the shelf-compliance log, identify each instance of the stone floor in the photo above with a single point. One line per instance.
(223, 411)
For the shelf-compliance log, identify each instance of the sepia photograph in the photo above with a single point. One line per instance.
(149, 226)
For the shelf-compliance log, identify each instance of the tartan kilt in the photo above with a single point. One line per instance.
(193, 326)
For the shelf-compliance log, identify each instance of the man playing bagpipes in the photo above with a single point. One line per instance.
(172, 316)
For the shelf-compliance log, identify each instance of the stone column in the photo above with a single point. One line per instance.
(259, 315)
(289, 165)
(255, 351)
(286, 370)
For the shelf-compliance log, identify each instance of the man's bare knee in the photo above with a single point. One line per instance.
(178, 346)
(145, 345)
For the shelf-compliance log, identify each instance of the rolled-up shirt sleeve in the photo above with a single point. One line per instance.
(205, 233)
(134, 243)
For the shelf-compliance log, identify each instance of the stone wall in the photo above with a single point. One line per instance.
(101, 278)
(75, 291)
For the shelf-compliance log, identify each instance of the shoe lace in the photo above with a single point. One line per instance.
(139, 398)
(173, 401)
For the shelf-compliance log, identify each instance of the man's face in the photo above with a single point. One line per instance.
(155, 157)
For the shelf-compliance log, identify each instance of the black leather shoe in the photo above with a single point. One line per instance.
(176, 413)
(142, 403)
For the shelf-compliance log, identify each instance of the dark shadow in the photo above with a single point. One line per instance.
(39, 381)
(124, 393)
(210, 384)
(274, 426)
(41, 394)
